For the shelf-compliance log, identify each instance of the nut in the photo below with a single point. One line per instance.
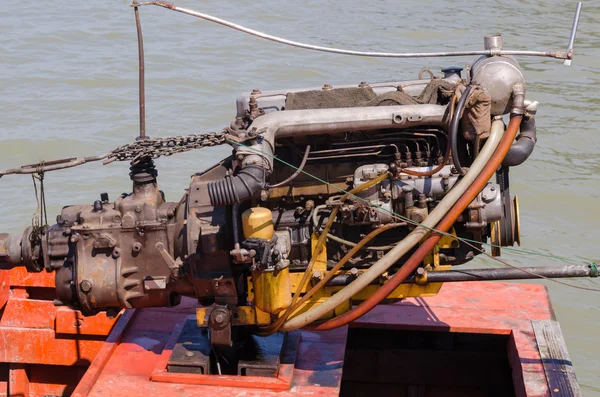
(137, 247)
(85, 286)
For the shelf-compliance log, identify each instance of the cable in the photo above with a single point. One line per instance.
(453, 133)
(321, 242)
(446, 206)
(292, 308)
(520, 251)
(447, 221)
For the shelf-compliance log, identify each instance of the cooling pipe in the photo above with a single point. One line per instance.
(523, 147)
(257, 159)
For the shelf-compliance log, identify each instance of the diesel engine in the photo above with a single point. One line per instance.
(328, 194)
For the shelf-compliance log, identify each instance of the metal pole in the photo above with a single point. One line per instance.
(573, 34)
(525, 273)
(142, 92)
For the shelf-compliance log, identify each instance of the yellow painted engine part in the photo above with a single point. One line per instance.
(272, 291)
(257, 222)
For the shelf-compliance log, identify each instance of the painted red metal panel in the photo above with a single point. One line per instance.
(70, 321)
(126, 365)
(44, 350)
(19, 277)
(4, 287)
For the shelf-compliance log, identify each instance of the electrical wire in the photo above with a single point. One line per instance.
(397, 216)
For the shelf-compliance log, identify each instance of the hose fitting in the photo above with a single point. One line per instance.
(518, 107)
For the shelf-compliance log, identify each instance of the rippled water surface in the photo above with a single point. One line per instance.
(68, 87)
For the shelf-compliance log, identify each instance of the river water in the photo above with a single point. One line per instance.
(68, 87)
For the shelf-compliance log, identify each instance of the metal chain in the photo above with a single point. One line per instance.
(134, 152)
(158, 147)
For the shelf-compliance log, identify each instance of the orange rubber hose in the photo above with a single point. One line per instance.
(417, 257)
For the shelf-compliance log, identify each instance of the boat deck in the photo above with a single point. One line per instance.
(473, 339)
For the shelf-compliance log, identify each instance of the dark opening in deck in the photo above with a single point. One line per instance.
(386, 362)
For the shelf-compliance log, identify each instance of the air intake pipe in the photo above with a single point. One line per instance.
(238, 188)
(257, 159)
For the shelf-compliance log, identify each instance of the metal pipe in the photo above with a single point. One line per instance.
(293, 123)
(296, 173)
(573, 34)
(207, 17)
(142, 90)
(524, 273)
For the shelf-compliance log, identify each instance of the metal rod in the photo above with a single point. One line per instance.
(296, 173)
(493, 274)
(142, 91)
(573, 34)
(171, 6)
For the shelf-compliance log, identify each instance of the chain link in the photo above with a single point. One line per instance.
(158, 147)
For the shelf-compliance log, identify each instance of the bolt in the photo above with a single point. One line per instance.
(98, 206)
(420, 271)
(117, 219)
(220, 318)
(138, 209)
(354, 272)
(255, 91)
(309, 205)
(189, 354)
(264, 195)
(363, 84)
(317, 275)
(85, 286)
(75, 238)
(240, 157)
(137, 247)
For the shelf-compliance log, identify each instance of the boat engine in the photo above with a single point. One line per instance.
(324, 187)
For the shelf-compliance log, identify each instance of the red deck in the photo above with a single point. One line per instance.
(133, 351)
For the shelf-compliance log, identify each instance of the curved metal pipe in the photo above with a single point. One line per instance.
(523, 147)
(292, 123)
(453, 133)
(295, 174)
